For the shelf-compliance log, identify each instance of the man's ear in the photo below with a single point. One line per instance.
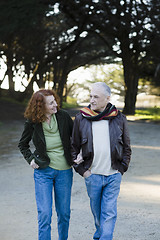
(108, 98)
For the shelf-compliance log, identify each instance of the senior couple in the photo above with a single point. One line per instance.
(97, 145)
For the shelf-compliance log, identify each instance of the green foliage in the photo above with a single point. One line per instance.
(149, 113)
(128, 29)
(71, 103)
(51, 38)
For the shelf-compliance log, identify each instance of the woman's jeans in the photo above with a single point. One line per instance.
(103, 192)
(45, 181)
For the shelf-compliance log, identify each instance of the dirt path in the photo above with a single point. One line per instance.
(138, 204)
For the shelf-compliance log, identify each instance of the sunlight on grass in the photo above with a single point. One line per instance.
(148, 113)
(71, 103)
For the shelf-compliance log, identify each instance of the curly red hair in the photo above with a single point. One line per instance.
(35, 110)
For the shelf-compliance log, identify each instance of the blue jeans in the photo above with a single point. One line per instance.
(103, 192)
(45, 180)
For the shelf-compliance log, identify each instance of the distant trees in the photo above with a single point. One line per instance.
(111, 74)
(36, 35)
(50, 38)
(21, 25)
(127, 29)
(151, 68)
(69, 47)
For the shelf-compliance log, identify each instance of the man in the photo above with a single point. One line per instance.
(101, 154)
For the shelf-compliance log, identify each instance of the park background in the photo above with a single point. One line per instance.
(67, 45)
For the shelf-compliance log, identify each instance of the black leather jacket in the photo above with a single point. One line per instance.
(34, 132)
(119, 143)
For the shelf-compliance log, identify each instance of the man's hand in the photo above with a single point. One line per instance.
(87, 174)
(79, 158)
(34, 165)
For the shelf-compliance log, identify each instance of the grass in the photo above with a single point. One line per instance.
(148, 113)
(14, 101)
(71, 103)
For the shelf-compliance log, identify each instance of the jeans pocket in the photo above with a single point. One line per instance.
(88, 178)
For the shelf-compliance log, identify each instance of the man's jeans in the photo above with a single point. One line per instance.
(45, 180)
(103, 193)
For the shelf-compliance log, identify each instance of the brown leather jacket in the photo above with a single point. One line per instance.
(119, 143)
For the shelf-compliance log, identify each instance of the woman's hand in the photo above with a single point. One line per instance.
(79, 158)
(34, 165)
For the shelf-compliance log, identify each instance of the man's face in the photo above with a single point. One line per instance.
(98, 99)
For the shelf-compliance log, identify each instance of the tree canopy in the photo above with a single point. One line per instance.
(128, 30)
(49, 39)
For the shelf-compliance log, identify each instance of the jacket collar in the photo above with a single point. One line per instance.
(60, 122)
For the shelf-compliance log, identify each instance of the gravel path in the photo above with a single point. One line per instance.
(138, 204)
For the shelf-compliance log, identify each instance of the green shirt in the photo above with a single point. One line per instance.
(54, 145)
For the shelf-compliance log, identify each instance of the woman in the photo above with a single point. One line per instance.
(50, 130)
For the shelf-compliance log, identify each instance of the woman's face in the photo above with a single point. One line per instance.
(50, 105)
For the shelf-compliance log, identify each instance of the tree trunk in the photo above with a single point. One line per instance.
(131, 76)
(131, 88)
(29, 89)
(60, 78)
(56, 76)
(40, 82)
(62, 83)
(10, 73)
